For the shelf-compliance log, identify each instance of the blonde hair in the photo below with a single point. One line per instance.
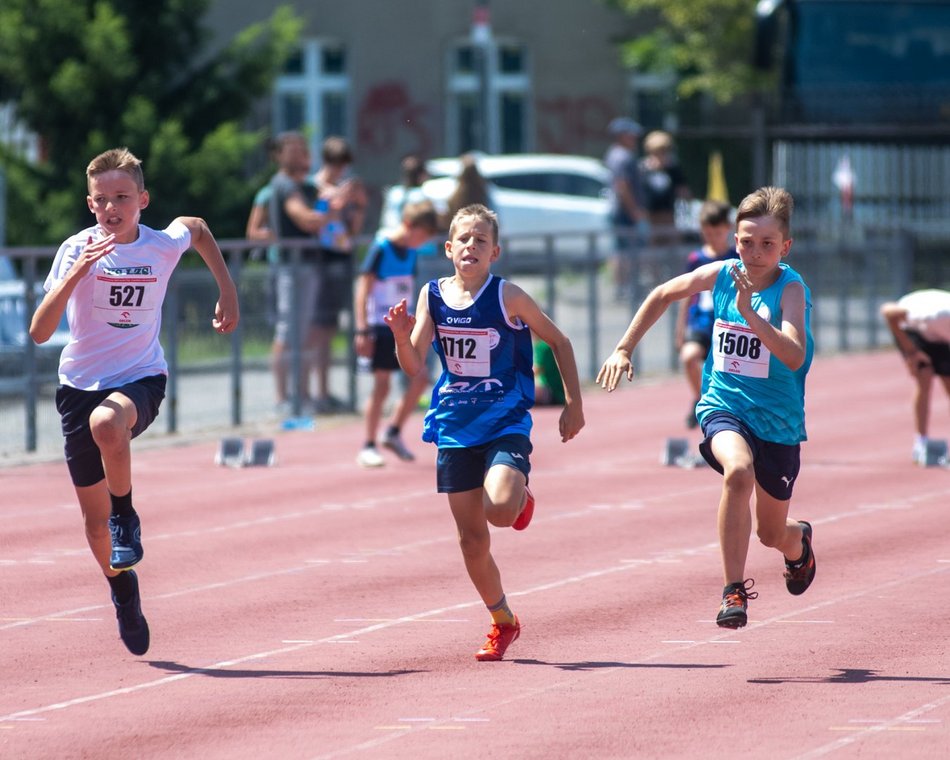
(481, 213)
(657, 141)
(117, 159)
(775, 202)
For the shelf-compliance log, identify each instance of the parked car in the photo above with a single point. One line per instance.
(13, 330)
(565, 197)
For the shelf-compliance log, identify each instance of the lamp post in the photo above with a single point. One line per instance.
(481, 37)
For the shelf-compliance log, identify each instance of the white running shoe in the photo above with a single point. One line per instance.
(394, 444)
(370, 457)
(919, 454)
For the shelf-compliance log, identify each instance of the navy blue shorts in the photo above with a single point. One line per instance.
(776, 464)
(939, 353)
(75, 406)
(460, 470)
(384, 349)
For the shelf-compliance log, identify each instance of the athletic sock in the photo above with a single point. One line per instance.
(392, 431)
(369, 445)
(122, 586)
(122, 505)
(501, 613)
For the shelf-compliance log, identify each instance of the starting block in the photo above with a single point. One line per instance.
(677, 453)
(936, 454)
(232, 452)
(262, 453)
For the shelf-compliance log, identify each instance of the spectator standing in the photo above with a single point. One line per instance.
(471, 189)
(628, 214)
(341, 197)
(664, 183)
(409, 190)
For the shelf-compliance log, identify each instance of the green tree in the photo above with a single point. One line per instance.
(88, 75)
(708, 44)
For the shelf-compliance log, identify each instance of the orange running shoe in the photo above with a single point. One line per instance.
(499, 638)
(521, 522)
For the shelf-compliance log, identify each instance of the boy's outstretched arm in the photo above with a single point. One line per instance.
(410, 332)
(618, 364)
(48, 314)
(226, 310)
(519, 304)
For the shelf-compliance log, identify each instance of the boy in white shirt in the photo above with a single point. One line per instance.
(110, 280)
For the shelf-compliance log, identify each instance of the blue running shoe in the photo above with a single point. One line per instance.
(126, 542)
(133, 628)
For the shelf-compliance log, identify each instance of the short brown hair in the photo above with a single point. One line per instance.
(776, 202)
(481, 213)
(117, 159)
(421, 214)
(714, 213)
(336, 151)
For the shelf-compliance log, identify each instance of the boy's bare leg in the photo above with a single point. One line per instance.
(475, 543)
(374, 405)
(407, 403)
(504, 495)
(735, 514)
(96, 508)
(773, 526)
(924, 379)
(111, 425)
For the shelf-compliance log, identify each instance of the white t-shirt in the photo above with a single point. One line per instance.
(928, 313)
(115, 312)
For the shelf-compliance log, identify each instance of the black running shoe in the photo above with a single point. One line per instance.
(133, 628)
(732, 611)
(126, 542)
(799, 577)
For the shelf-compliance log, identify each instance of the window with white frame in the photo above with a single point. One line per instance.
(488, 97)
(311, 96)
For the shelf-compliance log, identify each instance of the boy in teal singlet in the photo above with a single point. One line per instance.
(752, 409)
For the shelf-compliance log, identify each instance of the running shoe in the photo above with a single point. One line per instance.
(133, 628)
(691, 421)
(499, 638)
(521, 522)
(733, 610)
(799, 577)
(394, 443)
(126, 541)
(370, 457)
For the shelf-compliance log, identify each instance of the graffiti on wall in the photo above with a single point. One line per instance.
(573, 125)
(389, 121)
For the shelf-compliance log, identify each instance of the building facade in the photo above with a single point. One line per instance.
(441, 77)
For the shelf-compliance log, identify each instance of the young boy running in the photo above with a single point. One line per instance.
(752, 406)
(388, 275)
(110, 280)
(479, 416)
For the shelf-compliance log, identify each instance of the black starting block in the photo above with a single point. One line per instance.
(262, 453)
(936, 454)
(677, 453)
(230, 453)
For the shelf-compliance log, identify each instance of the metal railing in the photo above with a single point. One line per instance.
(220, 382)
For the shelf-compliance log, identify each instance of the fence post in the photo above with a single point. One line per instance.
(29, 357)
(171, 391)
(235, 260)
(592, 310)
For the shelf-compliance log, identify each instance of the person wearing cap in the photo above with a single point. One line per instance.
(628, 211)
(920, 324)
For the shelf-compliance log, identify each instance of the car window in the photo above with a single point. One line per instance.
(560, 183)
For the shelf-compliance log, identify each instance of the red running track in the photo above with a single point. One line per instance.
(316, 610)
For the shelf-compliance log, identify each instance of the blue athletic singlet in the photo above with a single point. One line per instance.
(742, 377)
(487, 382)
(394, 268)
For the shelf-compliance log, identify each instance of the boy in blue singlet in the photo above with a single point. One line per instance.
(694, 321)
(479, 416)
(387, 275)
(110, 281)
(752, 409)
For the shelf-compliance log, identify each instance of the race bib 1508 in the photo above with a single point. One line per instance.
(738, 350)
